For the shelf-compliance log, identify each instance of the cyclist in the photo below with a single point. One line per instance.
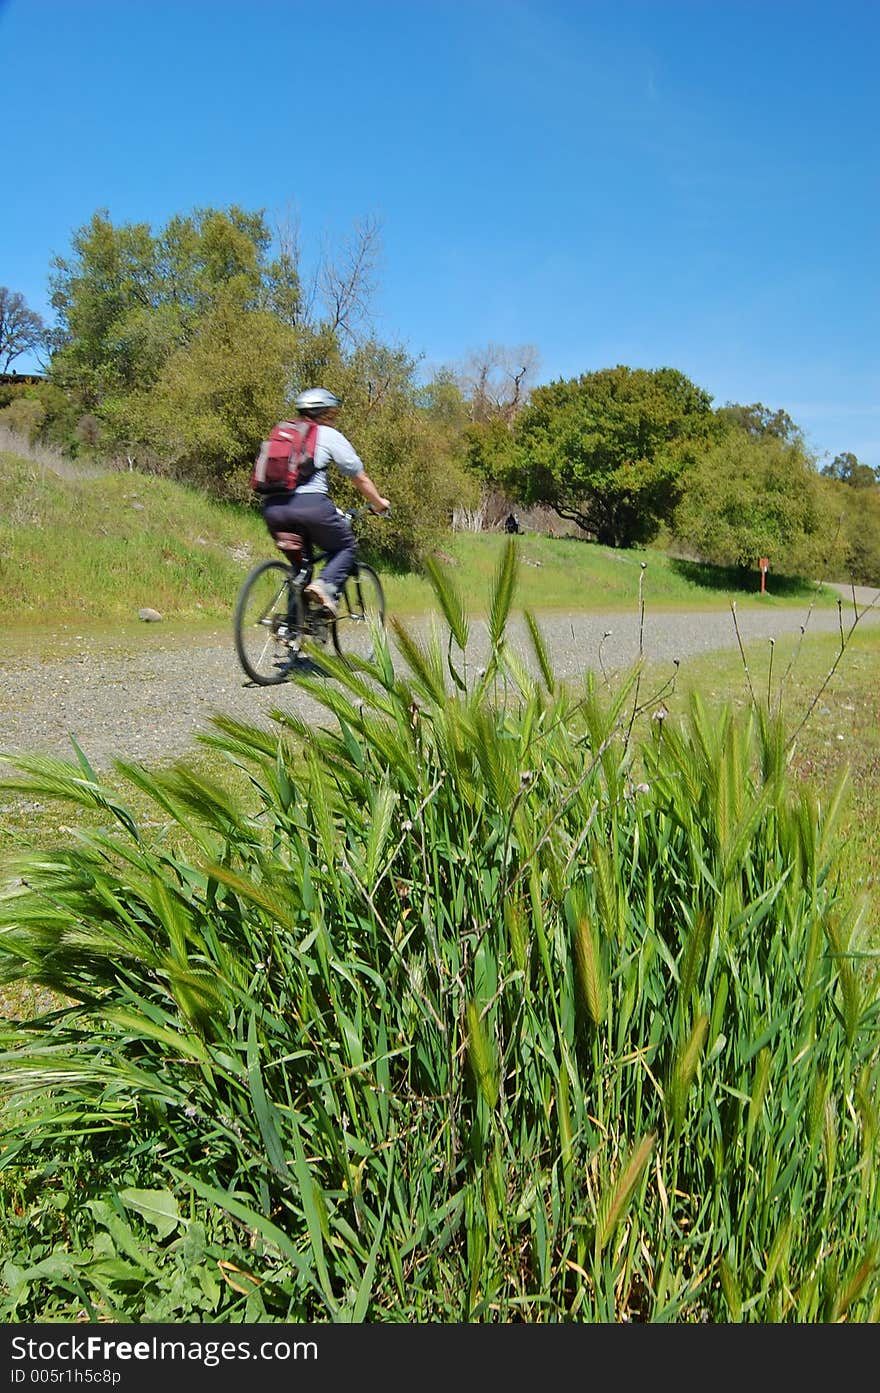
(310, 510)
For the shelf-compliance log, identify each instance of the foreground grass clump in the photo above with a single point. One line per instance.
(477, 1009)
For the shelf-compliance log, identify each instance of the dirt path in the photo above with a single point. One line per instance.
(149, 698)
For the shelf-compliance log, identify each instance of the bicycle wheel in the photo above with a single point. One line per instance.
(361, 610)
(268, 623)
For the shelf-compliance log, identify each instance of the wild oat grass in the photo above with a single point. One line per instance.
(834, 708)
(484, 1005)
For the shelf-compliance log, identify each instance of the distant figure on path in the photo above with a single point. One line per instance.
(512, 523)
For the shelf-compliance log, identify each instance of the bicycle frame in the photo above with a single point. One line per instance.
(270, 634)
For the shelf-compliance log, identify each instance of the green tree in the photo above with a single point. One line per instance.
(758, 420)
(24, 416)
(847, 469)
(176, 344)
(861, 528)
(755, 495)
(490, 453)
(127, 299)
(857, 510)
(202, 419)
(412, 452)
(21, 329)
(443, 401)
(606, 449)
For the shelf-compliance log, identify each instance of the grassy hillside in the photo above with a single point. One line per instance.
(93, 551)
(100, 548)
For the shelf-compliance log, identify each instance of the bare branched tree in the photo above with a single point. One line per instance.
(21, 329)
(288, 238)
(347, 280)
(496, 381)
(288, 235)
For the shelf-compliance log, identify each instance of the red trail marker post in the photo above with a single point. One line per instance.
(763, 567)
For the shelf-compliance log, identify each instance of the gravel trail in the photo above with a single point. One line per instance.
(150, 698)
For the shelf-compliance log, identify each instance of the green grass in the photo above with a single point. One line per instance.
(93, 551)
(838, 727)
(568, 574)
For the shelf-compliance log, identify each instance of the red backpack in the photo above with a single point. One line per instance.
(287, 458)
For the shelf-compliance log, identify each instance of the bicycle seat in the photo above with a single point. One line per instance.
(291, 543)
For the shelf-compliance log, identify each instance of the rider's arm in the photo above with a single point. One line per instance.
(349, 462)
(364, 484)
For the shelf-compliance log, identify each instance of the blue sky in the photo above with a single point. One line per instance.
(684, 183)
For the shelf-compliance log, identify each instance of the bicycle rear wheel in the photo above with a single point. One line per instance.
(268, 623)
(361, 610)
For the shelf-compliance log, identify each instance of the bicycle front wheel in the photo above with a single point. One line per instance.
(360, 612)
(268, 623)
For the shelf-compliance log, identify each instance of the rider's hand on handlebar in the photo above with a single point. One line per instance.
(385, 508)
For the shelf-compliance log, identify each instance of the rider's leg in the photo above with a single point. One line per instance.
(317, 518)
(332, 532)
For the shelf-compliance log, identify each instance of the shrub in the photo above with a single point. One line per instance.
(749, 497)
(24, 416)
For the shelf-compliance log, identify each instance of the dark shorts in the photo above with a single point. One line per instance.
(316, 517)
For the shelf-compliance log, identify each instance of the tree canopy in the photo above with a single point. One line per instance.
(176, 348)
(846, 468)
(758, 421)
(129, 299)
(606, 449)
(751, 495)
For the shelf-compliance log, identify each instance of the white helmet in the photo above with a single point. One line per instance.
(315, 400)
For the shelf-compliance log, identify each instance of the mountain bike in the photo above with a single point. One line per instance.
(275, 623)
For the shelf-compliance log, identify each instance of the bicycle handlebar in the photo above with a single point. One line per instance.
(352, 513)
